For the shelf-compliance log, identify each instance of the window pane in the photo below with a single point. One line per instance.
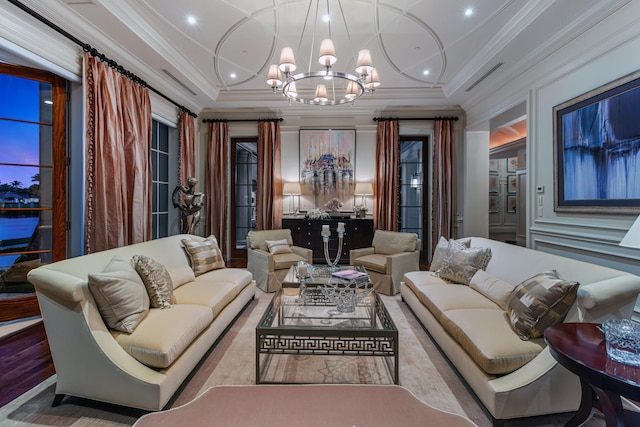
(163, 225)
(163, 138)
(20, 185)
(163, 167)
(25, 99)
(154, 165)
(163, 197)
(20, 143)
(154, 198)
(154, 135)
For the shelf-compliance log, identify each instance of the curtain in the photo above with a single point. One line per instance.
(387, 182)
(187, 161)
(217, 181)
(443, 215)
(118, 144)
(269, 194)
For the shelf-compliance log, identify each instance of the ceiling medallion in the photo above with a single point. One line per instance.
(325, 87)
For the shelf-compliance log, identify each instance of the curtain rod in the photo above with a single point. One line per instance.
(279, 119)
(93, 52)
(386, 119)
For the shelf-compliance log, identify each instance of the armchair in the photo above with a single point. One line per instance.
(269, 267)
(391, 256)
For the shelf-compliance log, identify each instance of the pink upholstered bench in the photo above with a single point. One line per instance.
(305, 405)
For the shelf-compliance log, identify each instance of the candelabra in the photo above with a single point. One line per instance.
(303, 274)
(326, 233)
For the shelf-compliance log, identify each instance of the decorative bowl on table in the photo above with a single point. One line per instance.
(346, 295)
(623, 341)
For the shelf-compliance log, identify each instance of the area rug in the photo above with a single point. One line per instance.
(423, 370)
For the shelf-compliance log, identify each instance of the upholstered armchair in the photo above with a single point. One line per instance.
(270, 253)
(392, 254)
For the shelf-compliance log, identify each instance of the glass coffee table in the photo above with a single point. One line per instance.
(314, 327)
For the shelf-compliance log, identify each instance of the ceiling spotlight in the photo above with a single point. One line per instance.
(426, 72)
(468, 12)
(324, 87)
(233, 75)
(191, 20)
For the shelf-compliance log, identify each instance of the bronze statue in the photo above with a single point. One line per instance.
(189, 202)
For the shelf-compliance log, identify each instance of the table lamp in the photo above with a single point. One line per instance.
(363, 189)
(632, 238)
(291, 189)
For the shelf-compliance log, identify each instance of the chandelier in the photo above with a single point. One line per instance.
(323, 87)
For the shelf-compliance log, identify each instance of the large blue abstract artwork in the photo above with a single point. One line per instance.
(597, 150)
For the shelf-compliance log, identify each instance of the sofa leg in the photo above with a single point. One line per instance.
(57, 400)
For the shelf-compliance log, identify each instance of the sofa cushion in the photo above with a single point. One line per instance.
(180, 275)
(216, 296)
(392, 242)
(204, 255)
(442, 250)
(373, 262)
(278, 246)
(120, 295)
(539, 302)
(441, 298)
(487, 337)
(239, 277)
(416, 279)
(284, 261)
(461, 265)
(156, 279)
(491, 287)
(164, 334)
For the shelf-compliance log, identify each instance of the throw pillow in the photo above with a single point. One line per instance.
(443, 248)
(461, 265)
(205, 255)
(156, 279)
(539, 302)
(278, 247)
(120, 295)
(492, 287)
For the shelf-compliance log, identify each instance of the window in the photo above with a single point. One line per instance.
(32, 180)
(160, 179)
(412, 190)
(244, 157)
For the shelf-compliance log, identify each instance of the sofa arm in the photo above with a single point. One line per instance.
(357, 253)
(57, 284)
(303, 252)
(399, 264)
(615, 297)
(257, 259)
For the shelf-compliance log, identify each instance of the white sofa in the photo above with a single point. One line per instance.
(458, 317)
(88, 358)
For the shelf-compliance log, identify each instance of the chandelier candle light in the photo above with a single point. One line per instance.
(326, 233)
(342, 88)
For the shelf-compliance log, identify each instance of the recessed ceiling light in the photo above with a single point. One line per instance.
(426, 72)
(468, 12)
(191, 20)
(233, 75)
(48, 102)
(326, 18)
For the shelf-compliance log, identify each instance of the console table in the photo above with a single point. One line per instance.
(306, 234)
(580, 347)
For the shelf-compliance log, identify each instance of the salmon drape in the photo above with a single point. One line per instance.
(443, 215)
(217, 181)
(269, 194)
(118, 144)
(387, 183)
(187, 138)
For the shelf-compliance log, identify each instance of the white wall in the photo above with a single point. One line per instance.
(600, 55)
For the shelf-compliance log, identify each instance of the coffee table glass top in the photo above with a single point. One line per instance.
(318, 274)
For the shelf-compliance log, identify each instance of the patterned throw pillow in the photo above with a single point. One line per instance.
(120, 295)
(443, 248)
(205, 255)
(460, 266)
(156, 279)
(278, 247)
(540, 302)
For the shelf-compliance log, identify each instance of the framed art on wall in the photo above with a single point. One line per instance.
(327, 169)
(511, 204)
(597, 150)
(494, 203)
(494, 183)
(512, 185)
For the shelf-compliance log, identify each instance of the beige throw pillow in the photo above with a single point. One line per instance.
(492, 287)
(156, 279)
(539, 302)
(278, 247)
(120, 295)
(443, 248)
(460, 266)
(205, 255)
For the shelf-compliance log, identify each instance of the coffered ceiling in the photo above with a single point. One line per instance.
(428, 53)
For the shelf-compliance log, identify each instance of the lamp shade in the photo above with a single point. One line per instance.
(365, 64)
(287, 60)
(372, 81)
(292, 92)
(352, 91)
(632, 238)
(273, 78)
(363, 189)
(291, 188)
(321, 94)
(327, 53)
